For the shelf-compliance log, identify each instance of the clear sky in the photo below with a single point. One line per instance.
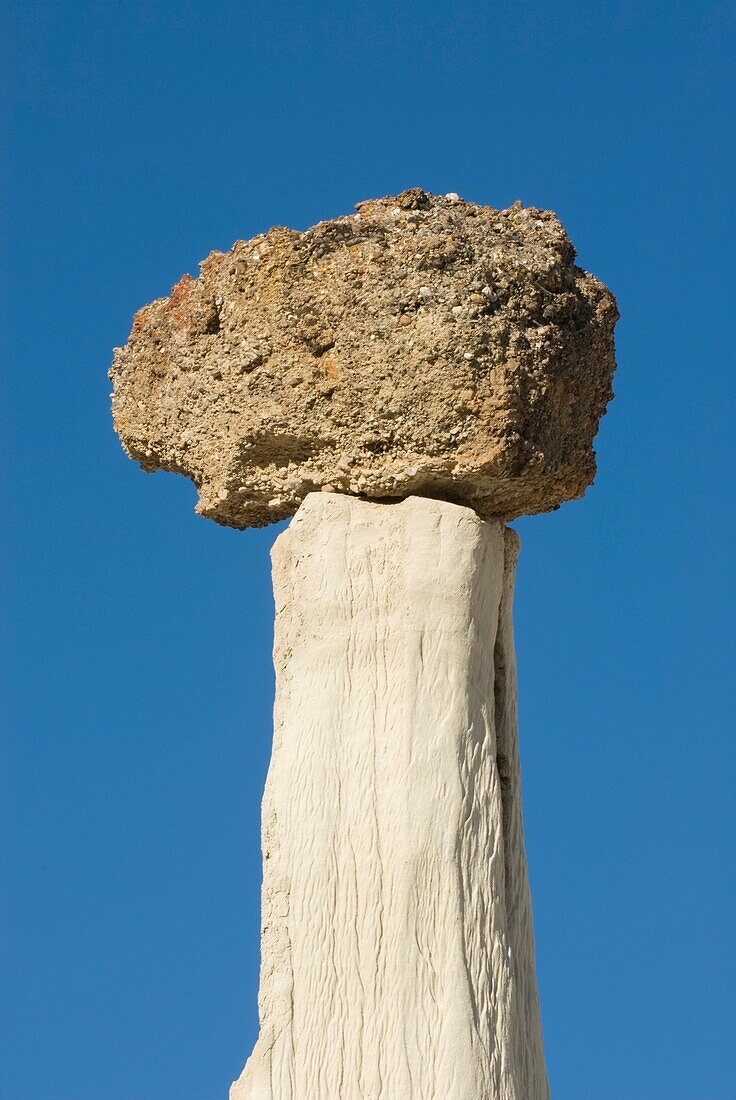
(137, 646)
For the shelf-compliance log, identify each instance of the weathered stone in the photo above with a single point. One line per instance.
(421, 346)
(397, 950)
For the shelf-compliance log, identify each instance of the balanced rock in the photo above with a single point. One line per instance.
(421, 346)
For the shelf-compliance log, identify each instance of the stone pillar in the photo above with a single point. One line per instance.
(397, 943)
(420, 347)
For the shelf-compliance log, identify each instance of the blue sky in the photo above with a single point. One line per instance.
(137, 638)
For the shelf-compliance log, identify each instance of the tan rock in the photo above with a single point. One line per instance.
(421, 346)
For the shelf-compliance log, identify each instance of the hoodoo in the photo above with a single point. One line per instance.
(402, 380)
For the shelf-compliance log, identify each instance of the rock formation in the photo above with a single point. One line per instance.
(397, 946)
(435, 368)
(420, 346)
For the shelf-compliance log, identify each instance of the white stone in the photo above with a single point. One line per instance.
(397, 945)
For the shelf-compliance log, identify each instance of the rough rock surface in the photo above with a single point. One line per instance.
(397, 951)
(422, 345)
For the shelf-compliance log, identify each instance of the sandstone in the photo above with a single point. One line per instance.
(397, 949)
(420, 346)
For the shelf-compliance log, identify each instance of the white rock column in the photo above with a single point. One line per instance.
(397, 943)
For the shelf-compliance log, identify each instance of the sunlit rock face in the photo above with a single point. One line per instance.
(397, 952)
(420, 346)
